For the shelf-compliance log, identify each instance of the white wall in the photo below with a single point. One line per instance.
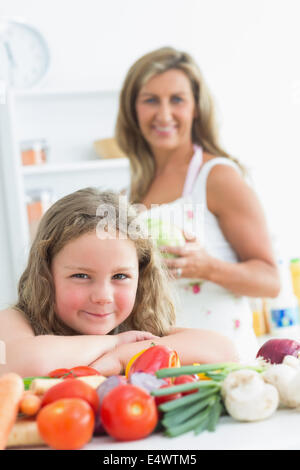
(7, 289)
(248, 51)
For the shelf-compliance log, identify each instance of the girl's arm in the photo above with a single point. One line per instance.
(30, 355)
(192, 345)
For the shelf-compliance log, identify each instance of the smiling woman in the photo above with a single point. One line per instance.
(165, 111)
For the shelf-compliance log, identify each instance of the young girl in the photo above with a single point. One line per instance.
(96, 292)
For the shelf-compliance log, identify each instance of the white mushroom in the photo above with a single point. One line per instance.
(286, 378)
(247, 397)
(292, 361)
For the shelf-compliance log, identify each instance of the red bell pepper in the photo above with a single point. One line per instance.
(154, 358)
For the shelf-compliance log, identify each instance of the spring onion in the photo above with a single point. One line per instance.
(27, 381)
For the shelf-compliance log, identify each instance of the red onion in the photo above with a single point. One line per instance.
(274, 350)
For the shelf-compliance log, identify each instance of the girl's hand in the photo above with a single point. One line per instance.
(114, 362)
(133, 336)
(192, 259)
(108, 364)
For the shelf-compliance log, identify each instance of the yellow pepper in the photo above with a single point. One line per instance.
(201, 375)
(132, 361)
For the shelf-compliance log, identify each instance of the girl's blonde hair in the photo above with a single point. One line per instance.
(68, 219)
(128, 133)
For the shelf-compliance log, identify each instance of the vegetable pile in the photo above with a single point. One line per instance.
(60, 412)
(68, 407)
(201, 410)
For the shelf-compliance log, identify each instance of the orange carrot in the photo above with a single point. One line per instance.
(11, 391)
(30, 404)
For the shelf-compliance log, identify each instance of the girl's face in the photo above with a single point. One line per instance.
(165, 109)
(95, 283)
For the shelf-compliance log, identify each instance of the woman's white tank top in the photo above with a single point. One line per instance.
(201, 303)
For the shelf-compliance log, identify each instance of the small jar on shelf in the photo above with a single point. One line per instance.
(37, 202)
(34, 152)
(258, 317)
(295, 272)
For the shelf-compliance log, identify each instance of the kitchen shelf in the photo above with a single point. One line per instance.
(100, 164)
(70, 121)
(60, 92)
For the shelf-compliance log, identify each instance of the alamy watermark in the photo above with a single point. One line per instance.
(159, 222)
(2, 353)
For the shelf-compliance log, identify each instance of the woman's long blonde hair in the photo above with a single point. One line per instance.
(128, 134)
(69, 218)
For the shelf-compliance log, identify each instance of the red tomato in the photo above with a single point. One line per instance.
(83, 371)
(66, 424)
(184, 379)
(72, 388)
(165, 398)
(169, 380)
(79, 371)
(59, 373)
(128, 413)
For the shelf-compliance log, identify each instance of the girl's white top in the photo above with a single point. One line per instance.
(201, 303)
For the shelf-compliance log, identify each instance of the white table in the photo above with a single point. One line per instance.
(280, 432)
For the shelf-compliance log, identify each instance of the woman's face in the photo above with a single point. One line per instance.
(165, 109)
(95, 283)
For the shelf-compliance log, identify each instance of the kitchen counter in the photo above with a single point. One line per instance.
(280, 432)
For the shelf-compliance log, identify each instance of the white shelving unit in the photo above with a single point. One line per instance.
(70, 121)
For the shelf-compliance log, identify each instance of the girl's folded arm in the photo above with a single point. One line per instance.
(38, 355)
(30, 355)
(192, 345)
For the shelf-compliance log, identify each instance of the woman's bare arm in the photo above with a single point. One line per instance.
(243, 223)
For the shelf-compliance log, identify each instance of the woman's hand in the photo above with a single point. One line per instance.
(192, 259)
(133, 336)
